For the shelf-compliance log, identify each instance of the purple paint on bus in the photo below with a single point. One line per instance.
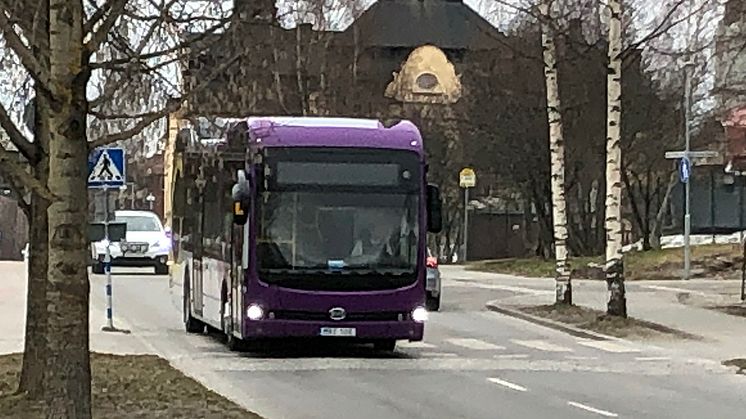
(373, 177)
(333, 132)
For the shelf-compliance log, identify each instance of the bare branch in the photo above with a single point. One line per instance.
(105, 116)
(115, 9)
(32, 65)
(662, 28)
(27, 149)
(173, 105)
(180, 47)
(15, 171)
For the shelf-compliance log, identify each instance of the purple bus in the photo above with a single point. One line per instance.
(307, 228)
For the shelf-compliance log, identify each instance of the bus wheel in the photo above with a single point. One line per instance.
(432, 303)
(98, 268)
(387, 345)
(191, 324)
(233, 343)
(161, 268)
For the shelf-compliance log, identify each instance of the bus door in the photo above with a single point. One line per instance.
(197, 277)
(239, 251)
(239, 264)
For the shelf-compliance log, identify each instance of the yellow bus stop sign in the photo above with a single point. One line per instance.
(467, 178)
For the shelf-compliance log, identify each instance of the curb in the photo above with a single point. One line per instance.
(570, 330)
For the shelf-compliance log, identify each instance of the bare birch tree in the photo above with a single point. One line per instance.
(563, 285)
(617, 305)
(59, 56)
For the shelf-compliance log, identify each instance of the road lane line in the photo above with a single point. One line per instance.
(507, 384)
(581, 358)
(438, 355)
(476, 344)
(593, 410)
(418, 345)
(511, 356)
(521, 290)
(607, 346)
(541, 345)
(652, 358)
(677, 290)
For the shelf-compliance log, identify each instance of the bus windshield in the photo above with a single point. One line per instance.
(335, 231)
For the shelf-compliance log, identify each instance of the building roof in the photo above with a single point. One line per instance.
(334, 132)
(447, 24)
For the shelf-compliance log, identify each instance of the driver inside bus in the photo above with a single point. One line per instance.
(370, 246)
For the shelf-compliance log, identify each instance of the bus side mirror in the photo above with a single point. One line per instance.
(434, 210)
(241, 199)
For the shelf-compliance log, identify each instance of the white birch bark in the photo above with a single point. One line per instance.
(617, 305)
(557, 156)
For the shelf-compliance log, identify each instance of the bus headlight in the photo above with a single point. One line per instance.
(419, 315)
(254, 312)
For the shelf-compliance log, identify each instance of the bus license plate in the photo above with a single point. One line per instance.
(338, 331)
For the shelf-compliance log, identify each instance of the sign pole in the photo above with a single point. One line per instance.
(107, 265)
(467, 179)
(687, 186)
(106, 170)
(466, 221)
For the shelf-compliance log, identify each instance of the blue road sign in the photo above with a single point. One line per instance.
(685, 169)
(106, 168)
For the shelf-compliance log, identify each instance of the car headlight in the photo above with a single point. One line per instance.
(419, 315)
(254, 312)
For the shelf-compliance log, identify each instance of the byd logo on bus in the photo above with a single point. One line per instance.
(337, 313)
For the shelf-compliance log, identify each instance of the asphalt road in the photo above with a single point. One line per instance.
(473, 364)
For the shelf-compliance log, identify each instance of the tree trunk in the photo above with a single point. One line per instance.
(655, 233)
(617, 305)
(68, 392)
(35, 351)
(563, 286)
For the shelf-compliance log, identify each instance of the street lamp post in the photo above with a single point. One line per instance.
(686, 164)
(688, 66)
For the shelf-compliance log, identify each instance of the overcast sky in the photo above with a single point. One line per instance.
(504, 14)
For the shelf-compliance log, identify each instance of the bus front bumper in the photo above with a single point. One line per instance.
(361, 331)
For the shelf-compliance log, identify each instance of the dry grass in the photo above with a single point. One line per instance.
(598, 321)
(734, 310)
(134, 386)
(708, 261)
(739, 363)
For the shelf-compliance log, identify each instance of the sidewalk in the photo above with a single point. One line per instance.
(662, 302)
(13, 315)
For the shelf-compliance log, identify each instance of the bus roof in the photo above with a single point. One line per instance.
(333, 132)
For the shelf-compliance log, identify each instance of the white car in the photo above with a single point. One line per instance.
(433, 286)
(147, 243)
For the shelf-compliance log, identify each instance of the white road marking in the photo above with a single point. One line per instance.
(453, 363)
(511, 356)
(593, 410)
(652, 358)
(541, 345)
(418, 345)
(476, 344)
(438, 355)
(507, 384)
(674, 289)
(522, 290)
(581, 358)
(607, 346)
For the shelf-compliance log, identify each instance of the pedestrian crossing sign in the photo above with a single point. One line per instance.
(106, 168)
